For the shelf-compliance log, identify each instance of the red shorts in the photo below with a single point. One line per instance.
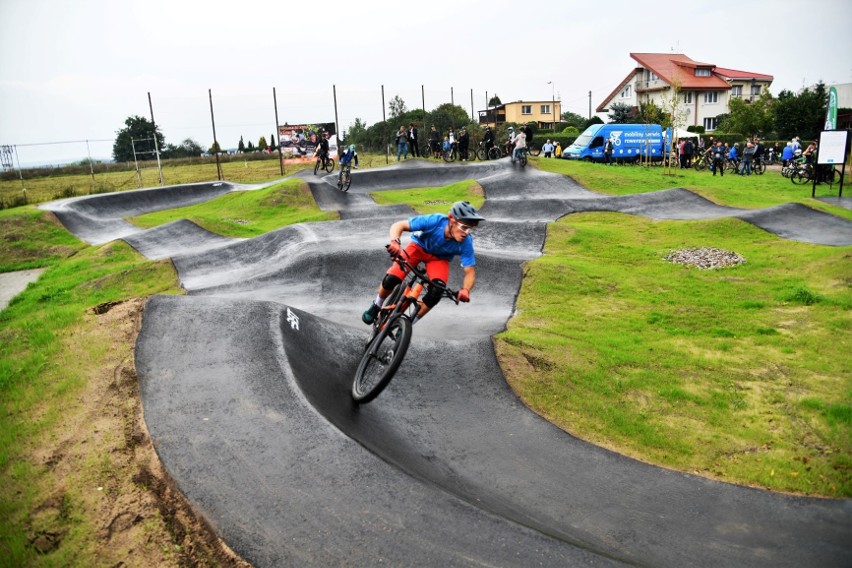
(436, 268)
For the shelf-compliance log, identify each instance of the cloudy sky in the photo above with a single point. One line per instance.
(73, 71)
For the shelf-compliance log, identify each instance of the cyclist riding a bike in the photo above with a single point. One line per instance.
(349, 156)
(435, 240)
(520, 145)
(322, 149)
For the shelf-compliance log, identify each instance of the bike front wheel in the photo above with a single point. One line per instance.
(758, 168)
(381, 360)
(316, 167)
(329, 165)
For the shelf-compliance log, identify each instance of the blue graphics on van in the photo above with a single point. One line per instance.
(629, 141)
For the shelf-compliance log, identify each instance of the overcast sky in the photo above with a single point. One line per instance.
(75, 70)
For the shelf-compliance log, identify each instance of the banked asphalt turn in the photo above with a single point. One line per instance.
(245, 387)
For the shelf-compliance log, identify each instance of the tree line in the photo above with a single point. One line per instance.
(782, 117)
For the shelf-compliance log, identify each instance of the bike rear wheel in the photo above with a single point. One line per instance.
(800, 177)
(449, 156)
(381, 360)
(534, 150)
(494, 153)
(523, 159)
(758, 167)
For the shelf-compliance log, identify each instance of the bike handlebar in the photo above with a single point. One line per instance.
(423, 277)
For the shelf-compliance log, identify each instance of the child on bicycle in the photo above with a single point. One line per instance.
(435, 240)
(520, 145)
(349, 156)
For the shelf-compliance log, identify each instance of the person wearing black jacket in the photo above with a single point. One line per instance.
(412, 140)
(464, 144)
(435, 142)
(488, 139)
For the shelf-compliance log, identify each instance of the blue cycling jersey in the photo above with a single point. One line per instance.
(428, 233)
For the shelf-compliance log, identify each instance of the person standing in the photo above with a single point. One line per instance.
(464, 144)
(748, 158)
(717, 154)
(435, 142)
(412, 140)
(608, 151)
(688, 149)
(401, 143)
(547, 149)
(557, 151)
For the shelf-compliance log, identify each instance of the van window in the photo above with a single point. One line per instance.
(597, 142)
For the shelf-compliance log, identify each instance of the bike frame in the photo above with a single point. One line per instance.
(405, 300)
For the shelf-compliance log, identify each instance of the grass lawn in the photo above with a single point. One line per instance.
(246, 214)
(740, 374)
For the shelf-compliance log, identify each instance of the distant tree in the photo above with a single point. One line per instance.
(241, 147)
(357, 130)
(261, 144)
(749, 118)
(447, 115)
(650, 113)
(137, 131)
(494, 101)
(272, 143)
(215, 148)
(250, 147)
(800, 115)
(594, 120)
(620, 113)
(188, 148)
(396, 106)
(573, 119)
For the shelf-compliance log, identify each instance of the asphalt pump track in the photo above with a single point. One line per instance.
(245, 386)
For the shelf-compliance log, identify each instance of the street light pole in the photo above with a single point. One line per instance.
(553, 103)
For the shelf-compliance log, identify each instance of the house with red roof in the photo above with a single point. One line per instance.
(704, 90)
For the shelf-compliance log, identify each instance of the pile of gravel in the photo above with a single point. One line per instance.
(705, 258)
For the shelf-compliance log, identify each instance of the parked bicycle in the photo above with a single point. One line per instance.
(344, 178)
(391, 332)
(702, 162)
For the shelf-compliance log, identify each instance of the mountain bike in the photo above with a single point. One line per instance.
(328, 165)
(522, 160)
(344, 178)
(703, 162)
(391, 333)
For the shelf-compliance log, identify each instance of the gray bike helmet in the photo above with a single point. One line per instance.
(464, 211)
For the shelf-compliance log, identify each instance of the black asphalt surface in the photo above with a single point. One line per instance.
(245, 385)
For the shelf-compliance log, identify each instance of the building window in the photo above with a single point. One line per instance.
(711, 97)
(702, 72)
(710, 124)
(545, 109)
(627, 92)
(737, 91)
(651, 76)
(687, 98)
(526, 109)
(755, 90)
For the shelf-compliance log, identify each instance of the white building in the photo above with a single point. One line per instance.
(704, 88)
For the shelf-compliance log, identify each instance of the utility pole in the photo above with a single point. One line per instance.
(590, 104)
(156, 148)
(275, 103)
(215, 142)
